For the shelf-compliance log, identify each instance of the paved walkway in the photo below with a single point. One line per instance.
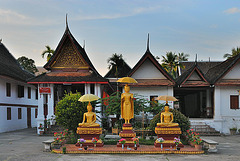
(25, 145)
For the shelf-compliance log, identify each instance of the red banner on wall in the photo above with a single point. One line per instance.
(44, 90)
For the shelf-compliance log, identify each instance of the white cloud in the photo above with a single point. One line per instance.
(128, 13)
(11, 17)
(232, 10)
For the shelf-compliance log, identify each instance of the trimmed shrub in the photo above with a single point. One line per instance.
(69, 111)
(178, 117)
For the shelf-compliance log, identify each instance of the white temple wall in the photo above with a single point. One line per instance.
(13, 102)
(224, 117)
(153, 91)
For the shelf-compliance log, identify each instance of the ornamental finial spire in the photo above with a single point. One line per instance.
(66, 21)
(148, 43)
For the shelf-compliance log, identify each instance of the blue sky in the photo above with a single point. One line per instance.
(209, 28)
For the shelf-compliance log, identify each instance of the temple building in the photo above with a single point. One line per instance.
(18, 100)
(69, 70)
(208, 92)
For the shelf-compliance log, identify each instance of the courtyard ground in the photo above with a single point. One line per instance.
(25, 145)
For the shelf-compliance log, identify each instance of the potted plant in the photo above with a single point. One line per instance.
(81, 141)
(41, 129)
(198, 143)
(94, 141)
(136, 141)
(177, 142)
(122, 141)
(233, 131)
(57, 143)
(160, 140)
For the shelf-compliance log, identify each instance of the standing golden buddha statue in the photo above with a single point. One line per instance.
(127, 106)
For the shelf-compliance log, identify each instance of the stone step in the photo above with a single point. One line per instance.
(205, 130)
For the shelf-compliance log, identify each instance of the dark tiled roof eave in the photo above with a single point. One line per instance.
(10, 67)
(47, 77)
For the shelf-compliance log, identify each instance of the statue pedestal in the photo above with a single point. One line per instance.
(127, 134)
(168, 134)
(87, 133)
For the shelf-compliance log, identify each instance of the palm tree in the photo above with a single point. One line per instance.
(183, 57)
(114, 62)
(48, 51)
(170, 63)
(234, 53)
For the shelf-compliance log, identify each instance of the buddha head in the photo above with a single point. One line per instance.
(126, 88)
(89, 107)
(166, 108)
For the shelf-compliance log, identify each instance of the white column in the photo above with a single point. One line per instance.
(51, 102)
(97, 91)
(40, 117)
(217, 103)
(87, 89)
(218, 121)
(208, 95)
(170, 93)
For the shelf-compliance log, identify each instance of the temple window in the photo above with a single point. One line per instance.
(234, 102)
(36, 94)
(9, 113)
(92, 88)
(8, 89)
(153, 99)
(29, 92)
(20, 91)
(19, 113)
(36, 112)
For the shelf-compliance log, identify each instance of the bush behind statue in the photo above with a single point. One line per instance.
(69, 111)
(178, 117)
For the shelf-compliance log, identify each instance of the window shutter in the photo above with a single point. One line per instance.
(234, 102)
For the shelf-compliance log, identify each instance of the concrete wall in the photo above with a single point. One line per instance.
(15, 123)
(224, 117)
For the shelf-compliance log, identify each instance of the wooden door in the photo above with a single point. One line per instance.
(29, 118)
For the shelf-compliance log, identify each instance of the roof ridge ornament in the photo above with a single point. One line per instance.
(148, 43)
(196, 59)
(66, 21)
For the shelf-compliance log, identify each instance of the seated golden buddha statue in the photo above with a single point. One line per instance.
(167, 118)
(90, 116)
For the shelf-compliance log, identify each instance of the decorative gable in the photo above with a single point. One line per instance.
(233, 73)
(147, 70)
(194, 78)
(69, 57)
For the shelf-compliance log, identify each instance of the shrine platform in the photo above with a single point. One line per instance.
(113, 149)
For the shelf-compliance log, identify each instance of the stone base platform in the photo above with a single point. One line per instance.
(112, 149)
(127, 133)
(87, 133)
(168, 134)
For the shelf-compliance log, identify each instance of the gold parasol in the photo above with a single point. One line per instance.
(88, 98)
(167, 98)
(127, 80)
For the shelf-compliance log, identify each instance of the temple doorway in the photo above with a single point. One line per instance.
(195, 102)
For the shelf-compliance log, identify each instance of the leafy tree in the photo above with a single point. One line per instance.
(234, 53)
(69, 111)
(48, 51)
(27, 64)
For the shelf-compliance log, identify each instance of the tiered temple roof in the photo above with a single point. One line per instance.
(10, 67)
(69, 64)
